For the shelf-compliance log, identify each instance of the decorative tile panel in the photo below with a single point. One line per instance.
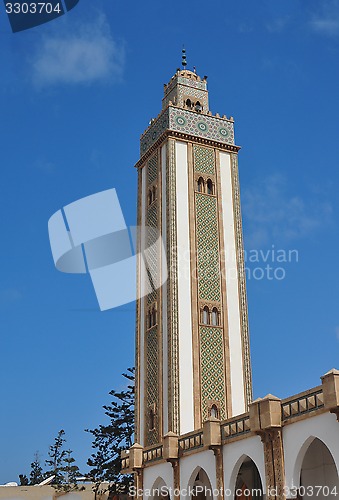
(201, 125)
(178, 94)
(152, 386)
(188, 122)
(204, 162)
(151, 336)
(160, 125)
(152, 170)
(212, 369)
(208, 265)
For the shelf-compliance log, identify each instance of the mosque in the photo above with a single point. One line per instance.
(198, 430)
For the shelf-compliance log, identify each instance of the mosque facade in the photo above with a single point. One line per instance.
(198, 430)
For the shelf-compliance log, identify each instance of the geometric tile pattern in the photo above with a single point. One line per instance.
(152, 388)
(152, 249)
(201, 125)
(212, 368)
(208, 266)
(203, 160)
(152, 342)
(152, 169)
(179, 93)
(189, 122)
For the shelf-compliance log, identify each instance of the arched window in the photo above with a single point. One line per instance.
(205, 316)
(209, 187)
(151, 419)
(154, 316)
(154, 193)
(189, 103)
(215, 317)
(148, 321)
(150, 197)
(198, 107)
(214, 411)
(201, 185)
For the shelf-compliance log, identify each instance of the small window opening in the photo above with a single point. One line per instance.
(209, 187)
(198, 107)
(151, 419)
(154, 316)
(215, 317)
(214, 411)
(205, 315)
(201, 185)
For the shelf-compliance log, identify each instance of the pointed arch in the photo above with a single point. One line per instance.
(215, 317)
(159, 490)
(315, 466)
(214, 411)
(205, 316)
(246, 477)
(201, 483)
(201, 185)
(210, 186)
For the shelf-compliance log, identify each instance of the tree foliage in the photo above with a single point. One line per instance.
(109, 440)
(62, 465)
(23, 480)
(36, 474)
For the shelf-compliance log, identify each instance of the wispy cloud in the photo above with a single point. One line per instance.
(326, 20)
(86, 54)
(273, 214)
(277, 25)
(10, 295)
(45, 166)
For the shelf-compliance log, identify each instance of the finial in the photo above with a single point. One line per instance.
(194, 70)
(184, 62)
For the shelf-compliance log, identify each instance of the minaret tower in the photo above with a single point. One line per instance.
(192, 359)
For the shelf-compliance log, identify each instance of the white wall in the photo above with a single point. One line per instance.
(298, 436)
(232, 291)
(184, 292)
(154, 474)
(234, 455)
(189, 467)
(319, 469)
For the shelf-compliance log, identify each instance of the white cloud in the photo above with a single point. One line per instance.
(84, 55)
(272, 214)
(326, 21)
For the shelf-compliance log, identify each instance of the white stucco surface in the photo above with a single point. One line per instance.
(184, 291)
(157, 475)
(232, 291)
(190, 465)
(298, 436)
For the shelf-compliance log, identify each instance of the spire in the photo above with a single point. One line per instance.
(183, 59)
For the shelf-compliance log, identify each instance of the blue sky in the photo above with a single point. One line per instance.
(75, 96)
